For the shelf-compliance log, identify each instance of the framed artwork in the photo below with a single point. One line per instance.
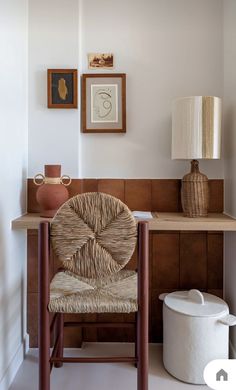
(100, 60)
(62, 88)
(104, 103)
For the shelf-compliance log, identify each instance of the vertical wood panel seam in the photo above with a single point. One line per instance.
(206, 248)
(125, 191)
(151, 195)
(179, 257)
(207, 260)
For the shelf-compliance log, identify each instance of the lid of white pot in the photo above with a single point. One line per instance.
(196, 304)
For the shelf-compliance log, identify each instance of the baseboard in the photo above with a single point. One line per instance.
(232, 351)
(26, 344)
(14, 365)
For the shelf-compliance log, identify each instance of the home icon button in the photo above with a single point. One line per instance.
(222, 375)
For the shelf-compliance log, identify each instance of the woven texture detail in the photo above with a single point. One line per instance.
(70, 293)
(93, 235)
(195, 193)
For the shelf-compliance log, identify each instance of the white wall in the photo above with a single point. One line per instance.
(53, 43)
(13, 173)
(167, 49)
(230, 152)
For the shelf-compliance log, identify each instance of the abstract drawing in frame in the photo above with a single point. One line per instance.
(104, 103)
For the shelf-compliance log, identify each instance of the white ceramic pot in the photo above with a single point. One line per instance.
(195, 331)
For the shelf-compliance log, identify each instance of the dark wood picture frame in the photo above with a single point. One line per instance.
(69, 88)
(113, 80)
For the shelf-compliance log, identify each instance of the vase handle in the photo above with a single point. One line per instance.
(65, 177)
(36, 177)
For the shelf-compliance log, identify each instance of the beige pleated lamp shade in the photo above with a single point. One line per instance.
(196, 128)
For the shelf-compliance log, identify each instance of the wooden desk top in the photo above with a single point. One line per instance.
(161, 221)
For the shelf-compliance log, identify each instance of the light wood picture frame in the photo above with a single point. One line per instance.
(104, 103)
(62, 88)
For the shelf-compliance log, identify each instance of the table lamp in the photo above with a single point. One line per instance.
(196, 134)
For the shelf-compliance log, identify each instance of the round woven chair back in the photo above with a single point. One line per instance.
(93, 235)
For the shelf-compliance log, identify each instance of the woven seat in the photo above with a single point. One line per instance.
(73, 294)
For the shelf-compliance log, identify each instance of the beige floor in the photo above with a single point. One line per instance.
(100, 376)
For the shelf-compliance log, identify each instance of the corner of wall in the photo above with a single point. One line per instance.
(14, 365)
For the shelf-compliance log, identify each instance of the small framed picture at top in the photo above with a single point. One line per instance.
(62, 88)
(100, 60)
(104, 103)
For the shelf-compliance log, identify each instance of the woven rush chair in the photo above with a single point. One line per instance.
(94, 236)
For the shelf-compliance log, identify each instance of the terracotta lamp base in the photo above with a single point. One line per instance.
(195, 193)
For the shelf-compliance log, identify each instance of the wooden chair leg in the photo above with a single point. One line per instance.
(143, 300)
(44, 320)
(44, 356)
(136, 341)
(142, 346)
(60, 334)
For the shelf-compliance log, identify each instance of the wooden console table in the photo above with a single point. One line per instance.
(184, 253)
(160, 222)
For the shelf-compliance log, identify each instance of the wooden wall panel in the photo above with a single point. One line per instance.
(218, 293)
(32, 263)
(216, 196)
(89, 334)
(75, 187)
(32, 204)
(32, 319)
(72, 336)
(112, 334)
(114, 187)
(215, 264)
(193, 260)
(89, 185)
(138, 194)
(166, 195)
(166, 266)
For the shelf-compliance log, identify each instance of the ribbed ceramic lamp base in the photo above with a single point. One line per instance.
(195, 193)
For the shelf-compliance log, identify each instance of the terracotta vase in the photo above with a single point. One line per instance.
(52, 191)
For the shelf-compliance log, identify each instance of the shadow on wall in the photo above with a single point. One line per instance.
(230, 207)
(229, 135)
(11, 307)
(23, 192)
(3, 303)
(229, 151)
(40, 78)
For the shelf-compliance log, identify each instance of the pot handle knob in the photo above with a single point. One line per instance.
(196, 296)
(40, 177)
(228, 320)
(65, 177)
